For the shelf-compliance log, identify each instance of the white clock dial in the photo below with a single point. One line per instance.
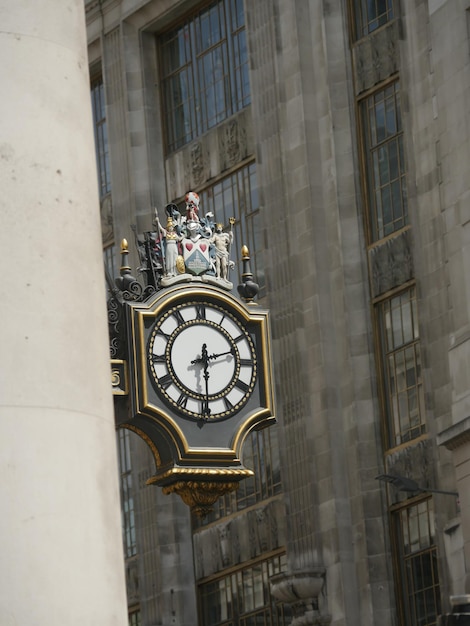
(202, 360)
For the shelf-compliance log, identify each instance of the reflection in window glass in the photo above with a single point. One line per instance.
(243, 598)
(260, 454)
(402, 360)
(109, 257)
(101, 136)
(204, 71)
(385, 166)
(418, 578)
(371, 14)
(127, 500)
(237, 196)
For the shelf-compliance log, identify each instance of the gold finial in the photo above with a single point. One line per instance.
(125, 269)
(245, 252)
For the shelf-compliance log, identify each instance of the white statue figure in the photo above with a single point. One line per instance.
(171, 245)
(221, 243)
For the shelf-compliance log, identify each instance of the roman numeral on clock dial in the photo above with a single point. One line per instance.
(165, 381)
(178, 317)
(158, 358)
(242, 385)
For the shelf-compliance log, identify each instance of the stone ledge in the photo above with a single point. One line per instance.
(456, 435)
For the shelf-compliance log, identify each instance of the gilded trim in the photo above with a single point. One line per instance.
(148, 441)
(185, 473)
(119, 377)
(200, 496)
(184, 294)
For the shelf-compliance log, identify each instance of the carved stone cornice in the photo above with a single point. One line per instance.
(218, 150)
(376, 57)
(391, 263)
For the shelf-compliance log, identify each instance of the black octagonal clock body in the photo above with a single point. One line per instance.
(200, 375)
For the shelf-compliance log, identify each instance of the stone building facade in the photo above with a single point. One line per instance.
(336, 133)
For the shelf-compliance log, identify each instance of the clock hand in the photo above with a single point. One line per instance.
(216, 356)
(204, 358)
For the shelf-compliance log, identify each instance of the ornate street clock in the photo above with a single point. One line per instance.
(200, 377)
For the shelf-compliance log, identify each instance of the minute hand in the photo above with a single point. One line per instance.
(216, 356)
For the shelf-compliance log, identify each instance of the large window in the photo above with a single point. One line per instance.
(385, 163)
(400, 345)
(127, 500)
(237, 196)
(101, 136)
(371, 14)
(416, 556)
(204, 65)
(243, 598)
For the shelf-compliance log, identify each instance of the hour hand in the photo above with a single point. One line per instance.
(204, 358)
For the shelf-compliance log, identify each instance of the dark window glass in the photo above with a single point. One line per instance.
(101, 137)
(204, 71)
(127, 499)
(371, 14)
(418, 578)
(135, 619)
(261, 454)
(385, 166)
(402, 367)
(242, 598)
(236, 196)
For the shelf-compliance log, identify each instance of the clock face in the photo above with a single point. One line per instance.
(202, 361)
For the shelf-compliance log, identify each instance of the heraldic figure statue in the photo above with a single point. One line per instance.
(187, 248)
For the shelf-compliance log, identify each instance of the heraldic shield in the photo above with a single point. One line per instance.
(196, 256)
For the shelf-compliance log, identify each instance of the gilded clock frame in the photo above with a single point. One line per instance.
(186, 447)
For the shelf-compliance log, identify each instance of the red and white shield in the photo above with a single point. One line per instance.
(196, 256)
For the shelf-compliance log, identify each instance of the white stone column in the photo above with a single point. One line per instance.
(60, 538)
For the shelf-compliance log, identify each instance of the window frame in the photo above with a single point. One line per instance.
(376, 229)
(100, 131)
(241, 605)
(134, 616)
(240, 189)
(129, 531)
(401, 559)
(361, 26)
(240, 186)
(393, 435)
(264, 485)
(230, 50)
